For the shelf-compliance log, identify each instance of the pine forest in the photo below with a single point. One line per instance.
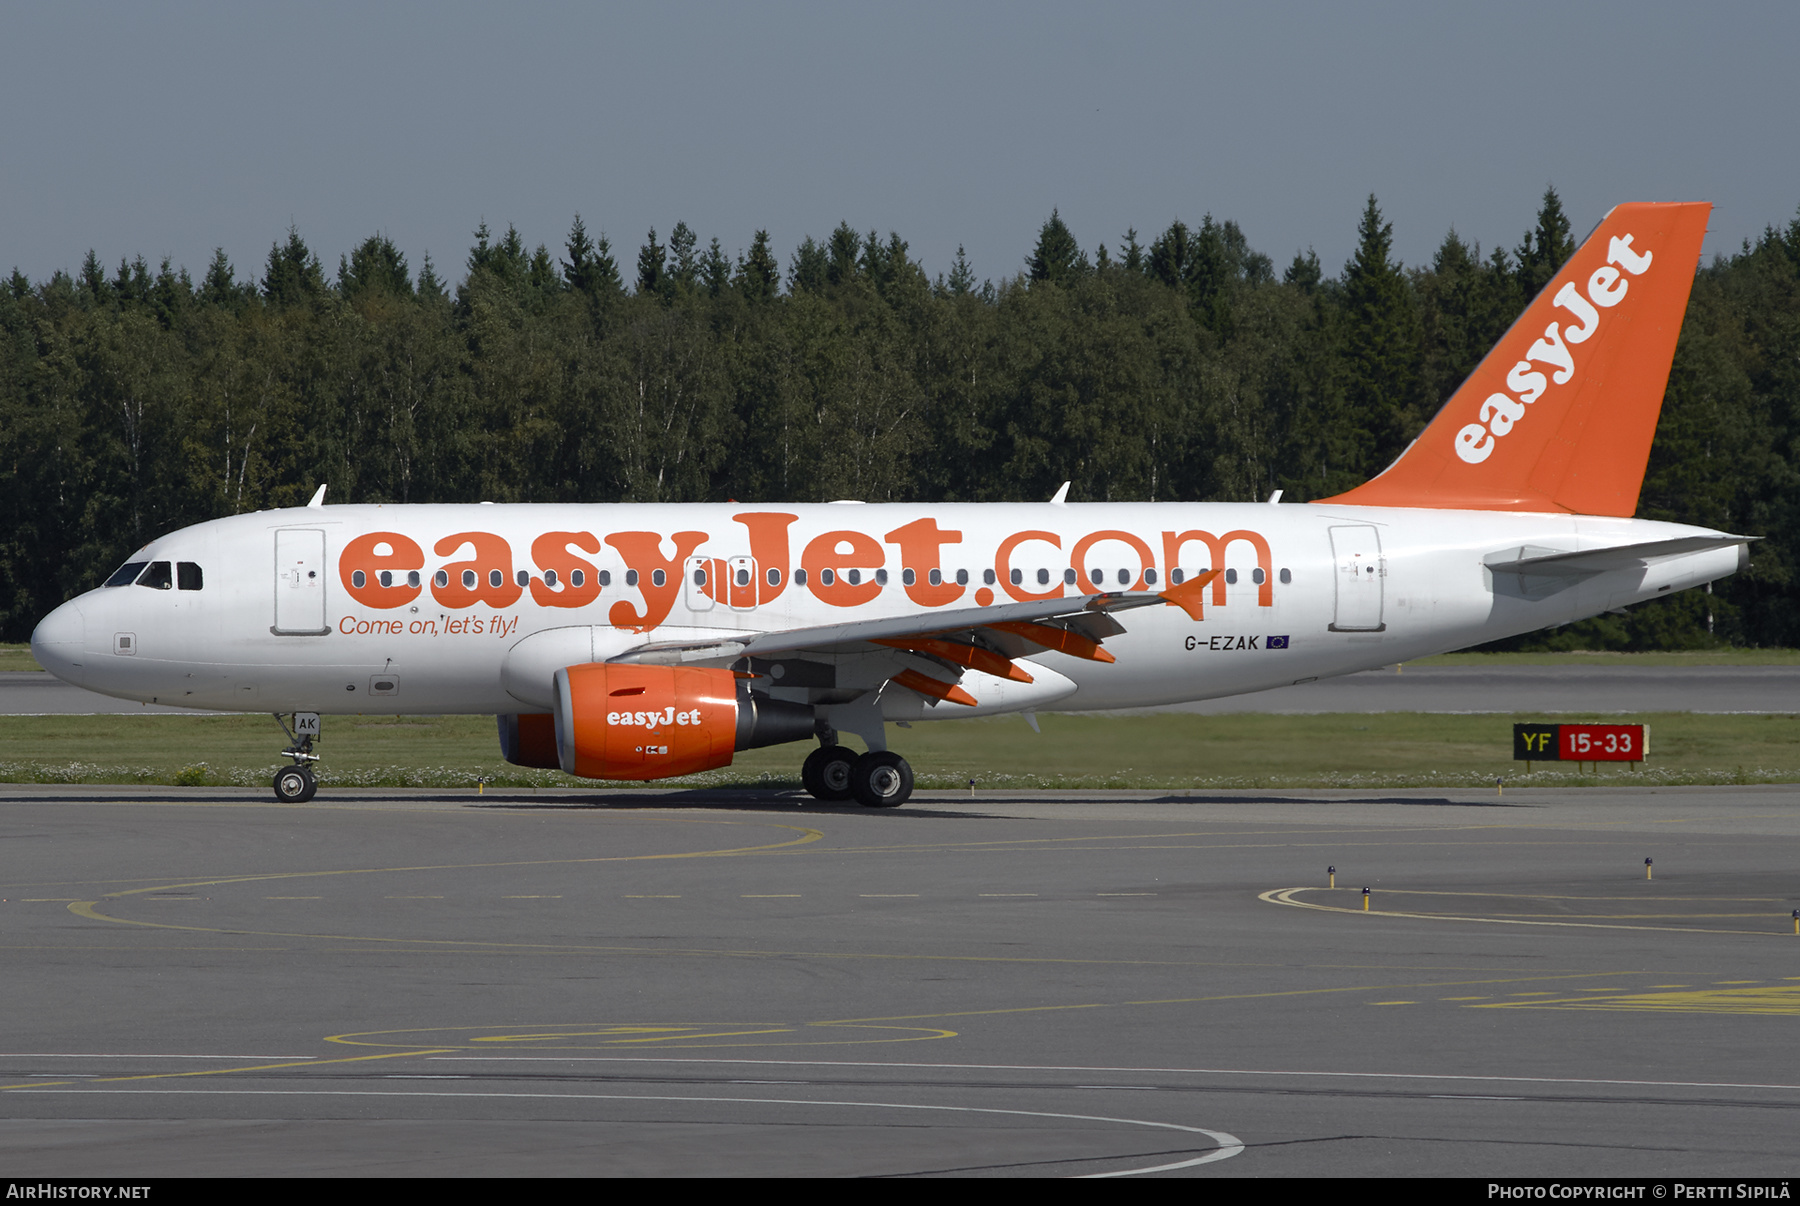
(1172, 365)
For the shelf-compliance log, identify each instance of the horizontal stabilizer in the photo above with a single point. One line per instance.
(1555, 562)
(1541, 572)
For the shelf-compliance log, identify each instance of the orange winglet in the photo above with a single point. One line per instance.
(1059, 639)
(1187, 595)
(924, 684)
(963, 655)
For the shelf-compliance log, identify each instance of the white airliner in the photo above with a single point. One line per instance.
(637, 641)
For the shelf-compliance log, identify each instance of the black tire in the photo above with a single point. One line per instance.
(826, 773)
(882, 779)
(294, 785)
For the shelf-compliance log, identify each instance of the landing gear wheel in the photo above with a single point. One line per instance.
(881, 779)
(294, 785)
(826, 773)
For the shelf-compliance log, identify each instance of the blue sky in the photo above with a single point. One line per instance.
(167, 130)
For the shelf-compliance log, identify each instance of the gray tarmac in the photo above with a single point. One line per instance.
(1505, 689)
(407, 983)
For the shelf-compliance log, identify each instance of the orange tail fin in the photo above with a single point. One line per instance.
(1560, 415)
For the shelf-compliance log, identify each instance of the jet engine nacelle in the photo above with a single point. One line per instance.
(529, 739)
(651, 722)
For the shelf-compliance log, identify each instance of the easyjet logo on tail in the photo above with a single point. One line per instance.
(1606, 288)
(1560, 414)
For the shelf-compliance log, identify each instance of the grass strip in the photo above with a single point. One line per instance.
(1166, 751)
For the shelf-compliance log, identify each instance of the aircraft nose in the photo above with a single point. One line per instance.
(58, 643)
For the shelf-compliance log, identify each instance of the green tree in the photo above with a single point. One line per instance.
(961, 281)
(1545, 249)
(1381, 344)
(715, 269)
(293, 275)
(842, 252)
(1304, 273)
(684, 264)
(94, 289)
(1171, 256)
(760, 273)
(650, 265)
(432, 290)
(1056, 259)
(377, 267)
(220, 287)
(590, 269)
(1131, 255)
(810, 267)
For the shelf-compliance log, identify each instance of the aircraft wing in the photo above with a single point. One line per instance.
(982, 638)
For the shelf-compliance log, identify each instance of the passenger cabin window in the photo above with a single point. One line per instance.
(159, 576)
(188, 576)
(126, 574)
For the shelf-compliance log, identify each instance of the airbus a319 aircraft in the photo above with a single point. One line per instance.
(639, 641)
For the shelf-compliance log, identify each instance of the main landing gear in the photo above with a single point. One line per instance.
(877, 779)
(295, 784)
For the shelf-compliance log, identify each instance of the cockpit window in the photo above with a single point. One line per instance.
(126, 574)
(159, 576)
(188, 576)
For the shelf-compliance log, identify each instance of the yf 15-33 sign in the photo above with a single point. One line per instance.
(1580, 742)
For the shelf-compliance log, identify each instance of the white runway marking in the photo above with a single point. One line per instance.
(61, 1055)
(1229, 1145)
(820, 1063)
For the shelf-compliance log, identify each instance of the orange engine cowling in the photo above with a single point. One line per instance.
(651, 722)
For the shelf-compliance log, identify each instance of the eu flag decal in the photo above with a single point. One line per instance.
(1275, 642)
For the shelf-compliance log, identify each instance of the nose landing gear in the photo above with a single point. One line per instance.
(295, 784)
(877, 779)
